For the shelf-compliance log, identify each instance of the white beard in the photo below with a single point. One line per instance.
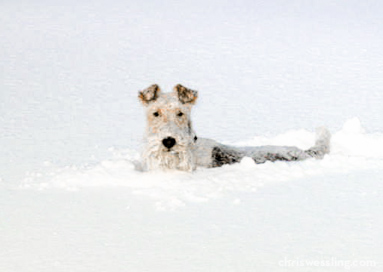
(157, 157)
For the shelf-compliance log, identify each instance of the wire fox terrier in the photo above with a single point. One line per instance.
(171, 142)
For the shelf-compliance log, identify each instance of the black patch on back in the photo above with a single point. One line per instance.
(278, 157)
(274, 157)
(222, 156)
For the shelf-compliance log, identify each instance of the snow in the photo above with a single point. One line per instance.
(268, 73)
(352, 151)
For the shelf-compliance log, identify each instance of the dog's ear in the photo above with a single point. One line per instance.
(185, 95)
(149, 95)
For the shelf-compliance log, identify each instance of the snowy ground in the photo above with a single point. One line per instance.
(267, 73)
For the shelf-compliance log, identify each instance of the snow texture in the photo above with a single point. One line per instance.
(267, 72)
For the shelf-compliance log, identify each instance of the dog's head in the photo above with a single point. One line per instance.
(170, 136)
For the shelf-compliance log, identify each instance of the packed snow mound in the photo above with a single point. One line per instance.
(352, 150)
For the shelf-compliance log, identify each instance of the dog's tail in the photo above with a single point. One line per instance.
(322, 144)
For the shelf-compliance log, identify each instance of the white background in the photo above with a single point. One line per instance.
(267, 72)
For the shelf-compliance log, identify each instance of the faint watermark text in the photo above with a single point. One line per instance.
(329, 262)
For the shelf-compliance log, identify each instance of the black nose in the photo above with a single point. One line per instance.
(169, 142)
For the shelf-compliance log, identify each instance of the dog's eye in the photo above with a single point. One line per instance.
(156, 114)
(180, 114)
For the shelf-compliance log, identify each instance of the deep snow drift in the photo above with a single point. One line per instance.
(352, 151)
(301, 216)
(267, 72)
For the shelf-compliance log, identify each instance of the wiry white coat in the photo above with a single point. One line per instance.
(169, 124)
(168, 115)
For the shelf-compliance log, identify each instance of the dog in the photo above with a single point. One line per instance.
(171, 142)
